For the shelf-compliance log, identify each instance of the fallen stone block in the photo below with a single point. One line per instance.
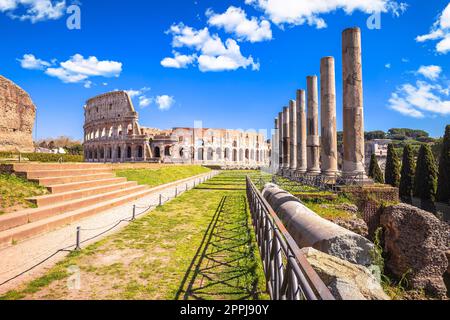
(416, 243)
(346, 281)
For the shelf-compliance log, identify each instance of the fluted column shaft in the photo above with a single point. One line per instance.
(329, 151)
(293, 134)
(354, 157)
(286, 141)
(280, 140)
(302, 163)
(313, 126)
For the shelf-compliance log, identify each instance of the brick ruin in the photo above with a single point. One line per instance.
(17, 120)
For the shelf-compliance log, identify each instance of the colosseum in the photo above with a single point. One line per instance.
(113, 134)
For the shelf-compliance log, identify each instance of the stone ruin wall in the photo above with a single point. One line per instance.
(17, 118)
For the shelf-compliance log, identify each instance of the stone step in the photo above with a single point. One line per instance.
(31, 175)
(32, 229)
(71, 179)
(17, 219)
(23, 167)
(47, 200)
(66, 187)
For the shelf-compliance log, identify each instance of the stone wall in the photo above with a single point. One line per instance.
(17, 118)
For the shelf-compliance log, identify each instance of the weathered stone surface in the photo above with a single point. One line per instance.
(313, 139)
(329, 150)
(281, 139)
(302, 163)
(17, 118)
(358, 226)
(310, 230)
(354, 154)
(346, 281)
(286, 139)
(293, 134)
(416, 242)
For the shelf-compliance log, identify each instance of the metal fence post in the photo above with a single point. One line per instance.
(78, 247)
(160, 200)
(134, 213)
(176, 192)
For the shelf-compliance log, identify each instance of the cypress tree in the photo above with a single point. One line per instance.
(407, 175)
(374, 171)
(392, 176)
(425, 182)
(443, 193)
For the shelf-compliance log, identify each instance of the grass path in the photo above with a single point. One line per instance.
(198, 246)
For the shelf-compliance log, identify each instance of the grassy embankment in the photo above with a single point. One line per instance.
(198, 246)
(161, 175)
(14, 191)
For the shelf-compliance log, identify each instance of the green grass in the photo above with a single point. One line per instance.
(161, 176)
(14, 191)
(198, 246)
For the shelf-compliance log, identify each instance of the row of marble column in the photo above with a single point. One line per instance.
(300, 147)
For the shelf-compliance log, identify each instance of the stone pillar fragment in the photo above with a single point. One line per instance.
(302, 163)
(313, 127)
(280, 140)
(286, 140)
(353, 162)
(329, 151)
(293, 134)
(275, 147)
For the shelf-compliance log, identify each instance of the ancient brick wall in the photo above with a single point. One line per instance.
(17, 115)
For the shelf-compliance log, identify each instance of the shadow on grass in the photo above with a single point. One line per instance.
(225, 265)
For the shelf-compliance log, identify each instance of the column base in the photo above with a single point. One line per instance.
(313, 173)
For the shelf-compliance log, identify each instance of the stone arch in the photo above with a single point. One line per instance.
(200, 153)
(210, 154)
(103, 132)
(119, 130)
(140, 152)
(252, 155)
(247, 154)
(235, 155)
(227, 154)
(219, 153)
(130, 129)
(119, 153)
(241, 155)
(157, 152)
(129, 152)
(167, 151)
(111, 132)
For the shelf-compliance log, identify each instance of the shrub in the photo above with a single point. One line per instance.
(392, 176)
(407, 174)
(45, 157)
(443, 192)
(425, 182)
(374, 171)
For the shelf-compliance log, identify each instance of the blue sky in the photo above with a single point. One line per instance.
(237, 62)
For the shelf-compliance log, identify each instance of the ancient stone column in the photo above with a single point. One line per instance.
(286, 142)
(275, 147)
(313, 142)
(280, 140)
(328, 146)
(302, 164)
(353, 162)
(293, 134)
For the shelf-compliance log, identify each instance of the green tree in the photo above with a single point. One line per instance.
(443, 192)
(425, 182)
(392, 175)
(374, 171)
(407, 174)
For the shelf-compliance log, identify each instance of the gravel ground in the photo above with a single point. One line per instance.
(21, 257)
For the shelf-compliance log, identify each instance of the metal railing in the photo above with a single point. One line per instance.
(289, 276)
(326, 183)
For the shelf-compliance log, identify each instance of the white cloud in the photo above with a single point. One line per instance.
(299, 12)
(211, 53)
(421, 99)
(34, 10)
(30, 62)
(235, 21)
(439, 31)
(144, 101)
(75, 70)
(164, 102)
(136, 93)
(179, 61)
(78, 69)
(430, 72)
(387, 65)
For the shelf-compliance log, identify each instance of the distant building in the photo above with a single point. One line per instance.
(379, 147)
(113, 134)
